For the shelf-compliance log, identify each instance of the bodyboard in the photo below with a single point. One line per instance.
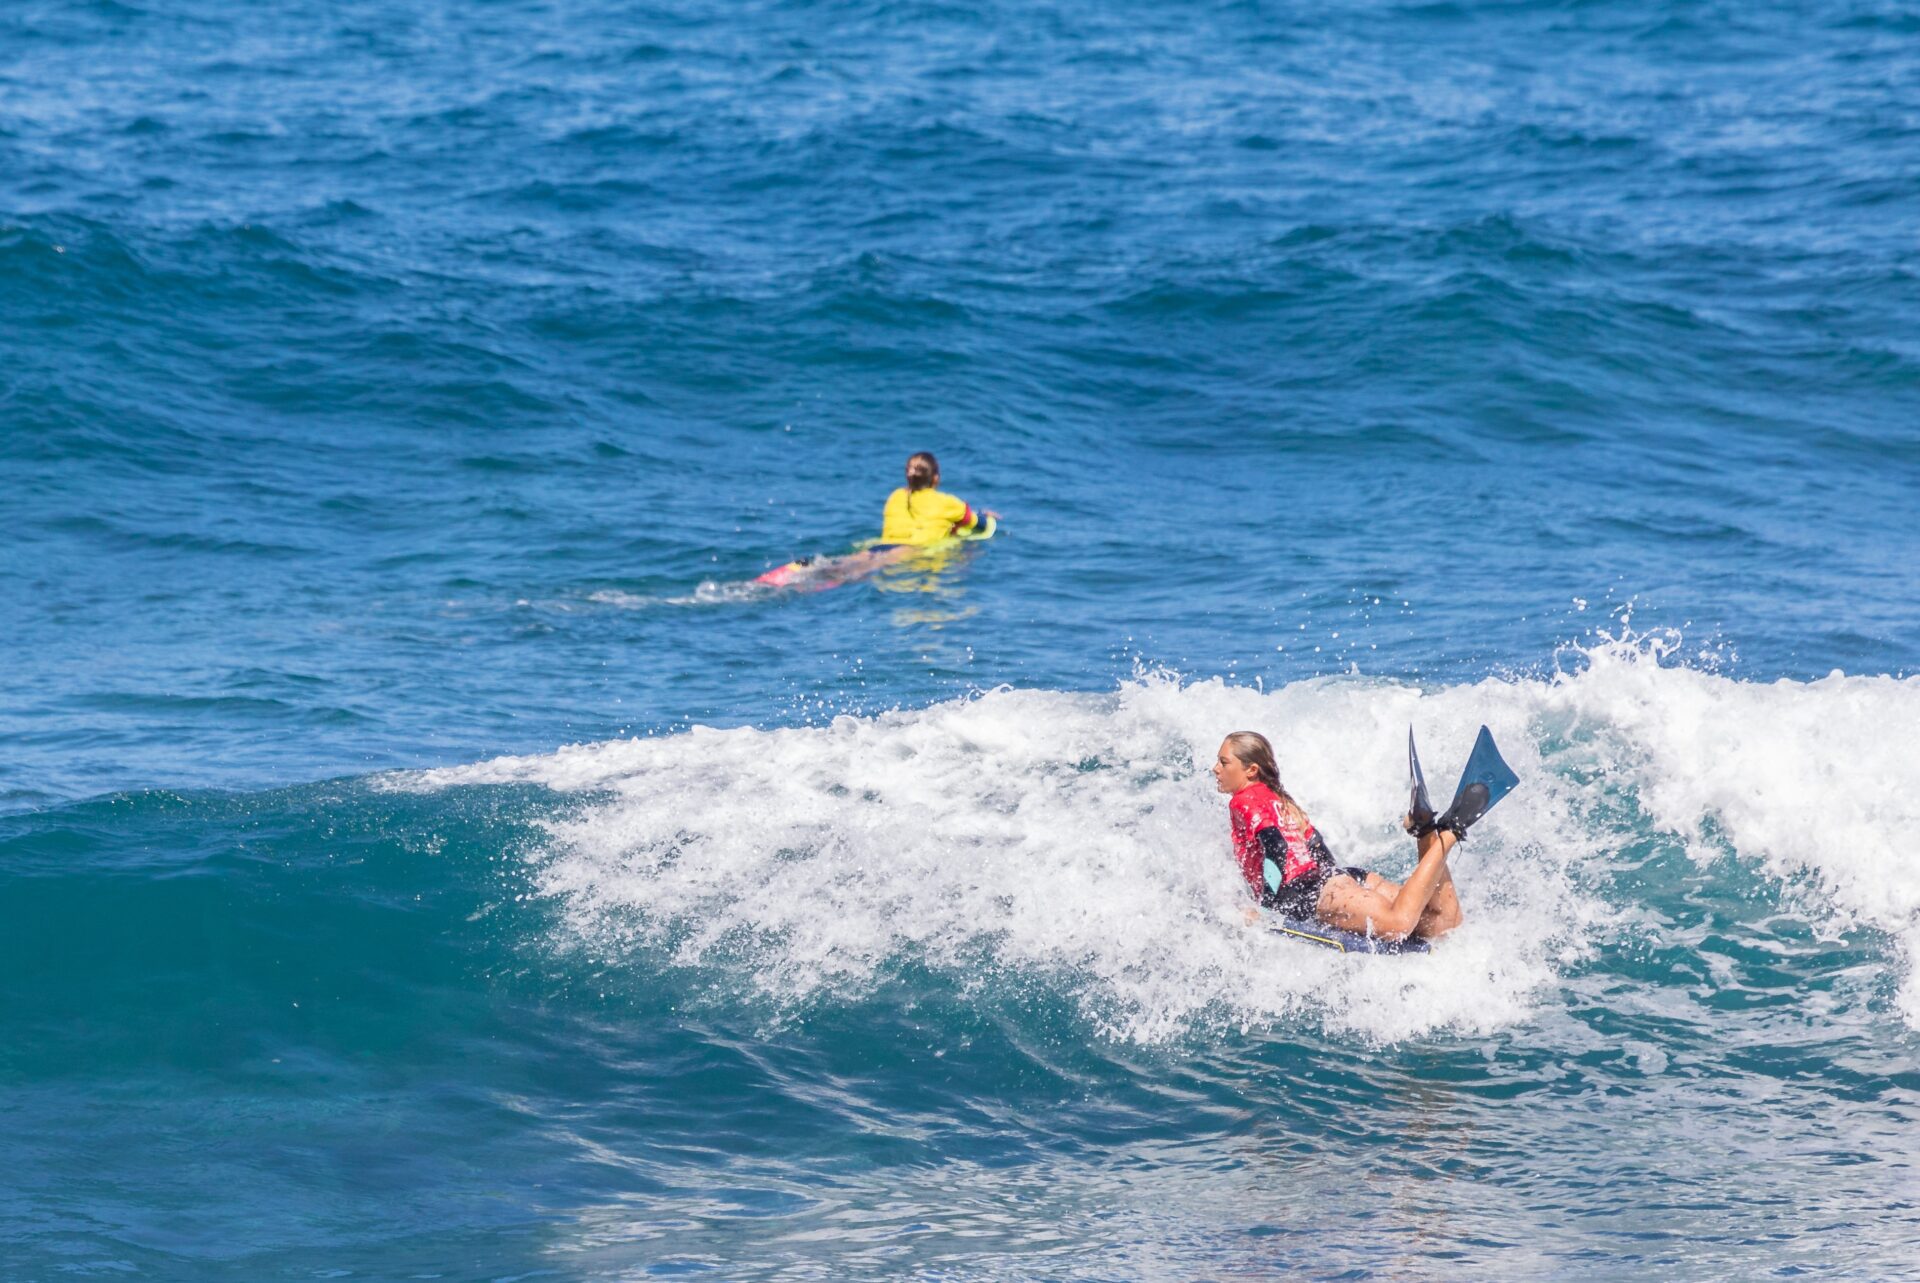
(1326, 937)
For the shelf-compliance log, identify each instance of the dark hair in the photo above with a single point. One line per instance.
(923, 470)
(1253, 752)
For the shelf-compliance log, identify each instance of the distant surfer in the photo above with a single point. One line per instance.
(1291, 871)
(918, 513)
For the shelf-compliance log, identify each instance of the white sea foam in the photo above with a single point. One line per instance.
(709, 592)
(1078, 837)
(1810, 779)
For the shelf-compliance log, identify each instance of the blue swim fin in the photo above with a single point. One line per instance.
(1419, 808)
(1486, 780)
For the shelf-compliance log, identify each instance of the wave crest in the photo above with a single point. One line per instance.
(1027, 833)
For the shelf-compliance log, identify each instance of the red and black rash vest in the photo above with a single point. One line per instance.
(1263, 830)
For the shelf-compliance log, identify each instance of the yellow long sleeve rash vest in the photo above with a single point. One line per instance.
(925, 517)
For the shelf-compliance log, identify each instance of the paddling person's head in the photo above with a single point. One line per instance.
(1245, 758)
(923, 472)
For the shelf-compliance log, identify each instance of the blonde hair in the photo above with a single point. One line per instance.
(1251, 750)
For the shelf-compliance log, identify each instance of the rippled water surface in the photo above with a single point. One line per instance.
(424, 854)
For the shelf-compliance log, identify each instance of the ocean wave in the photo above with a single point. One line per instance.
(1039, 833)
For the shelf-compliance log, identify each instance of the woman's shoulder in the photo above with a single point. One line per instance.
(1255, 798)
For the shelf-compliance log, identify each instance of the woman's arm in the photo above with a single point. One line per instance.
(1273, 863)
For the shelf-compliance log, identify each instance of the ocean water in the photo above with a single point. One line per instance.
(423, 853)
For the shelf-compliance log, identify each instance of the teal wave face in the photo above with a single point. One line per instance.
(975, 977)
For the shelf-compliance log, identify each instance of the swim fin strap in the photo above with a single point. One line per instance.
(1486, 780)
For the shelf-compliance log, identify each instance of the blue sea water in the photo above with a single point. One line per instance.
(424, 855)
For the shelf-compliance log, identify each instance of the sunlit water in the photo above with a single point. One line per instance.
(424, 854)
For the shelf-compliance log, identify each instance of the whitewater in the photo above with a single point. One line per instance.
(1077, 838)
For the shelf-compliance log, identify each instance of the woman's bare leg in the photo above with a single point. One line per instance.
(1442, 913)
(1351, 906)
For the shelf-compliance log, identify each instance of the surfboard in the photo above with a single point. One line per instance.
(820, 573)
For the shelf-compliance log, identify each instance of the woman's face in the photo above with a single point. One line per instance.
(1230, 774)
